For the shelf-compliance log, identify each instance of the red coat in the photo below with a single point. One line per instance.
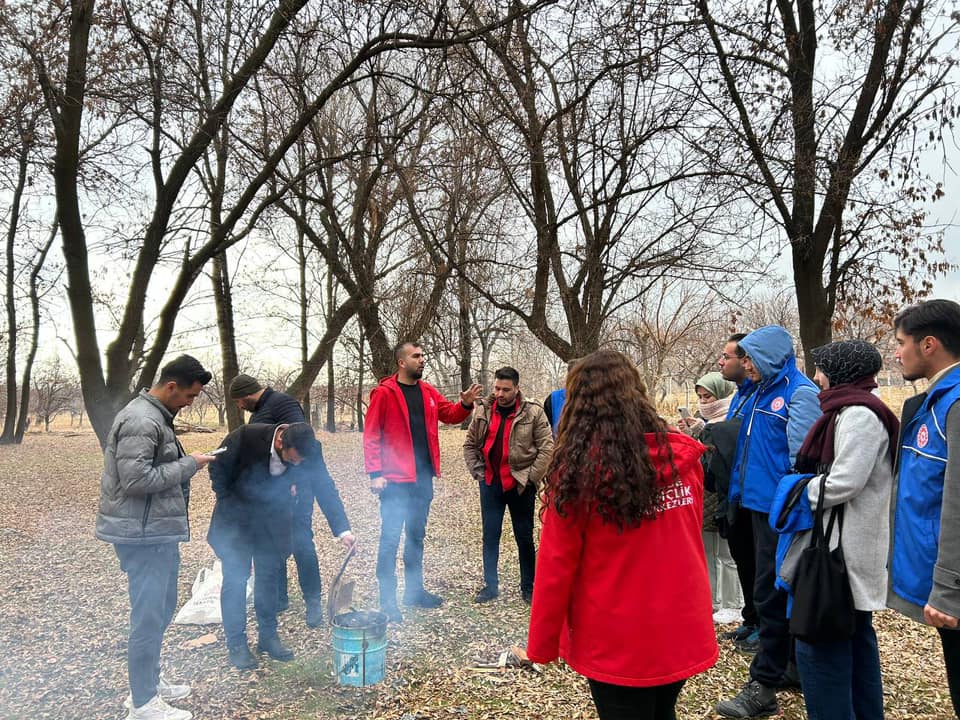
(631, 608)
(387, 442)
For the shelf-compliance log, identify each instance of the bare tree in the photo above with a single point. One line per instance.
(822, 112)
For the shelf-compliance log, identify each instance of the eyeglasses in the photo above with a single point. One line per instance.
(724, 356)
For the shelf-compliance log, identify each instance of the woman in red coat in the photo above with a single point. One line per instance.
(621, 590)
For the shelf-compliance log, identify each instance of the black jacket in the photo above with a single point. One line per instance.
(252, 505)
(312, 477)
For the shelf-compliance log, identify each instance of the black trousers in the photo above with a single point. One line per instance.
(493, 502)
(770, 662)
(304, 553)
(618, 702)
(253, 546)
(950, 639)
(152, 583)
(404, 508)
(740, 540)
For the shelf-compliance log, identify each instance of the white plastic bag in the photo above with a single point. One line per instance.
(203, 607)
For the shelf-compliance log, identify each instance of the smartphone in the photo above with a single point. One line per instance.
(684, 413)
(216, 452)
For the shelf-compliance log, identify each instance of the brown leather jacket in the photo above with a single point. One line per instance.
(530, 442)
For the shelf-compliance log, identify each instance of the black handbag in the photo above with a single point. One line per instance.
(823, 608)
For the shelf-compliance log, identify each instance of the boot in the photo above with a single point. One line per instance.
(272, 646)
(241, 657)
(314, 613)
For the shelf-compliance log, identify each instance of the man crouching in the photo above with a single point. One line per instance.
(251, 522)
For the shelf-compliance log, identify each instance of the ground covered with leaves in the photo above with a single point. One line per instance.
(63, 613)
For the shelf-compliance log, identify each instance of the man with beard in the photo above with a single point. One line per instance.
(507, 450)
(401, 448)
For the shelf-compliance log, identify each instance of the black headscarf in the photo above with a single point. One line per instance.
(850, 366)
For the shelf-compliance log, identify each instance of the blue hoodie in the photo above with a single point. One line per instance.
(776, 420)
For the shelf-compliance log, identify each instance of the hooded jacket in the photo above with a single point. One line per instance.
(630, 607)
(145, 485)
(529, 446)
(387, 440)
(776, 419)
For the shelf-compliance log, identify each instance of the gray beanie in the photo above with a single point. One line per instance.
(244, 385)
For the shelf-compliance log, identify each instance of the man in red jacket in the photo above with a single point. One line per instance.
(401, 449)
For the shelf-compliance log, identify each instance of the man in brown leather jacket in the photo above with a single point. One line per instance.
(507, 451)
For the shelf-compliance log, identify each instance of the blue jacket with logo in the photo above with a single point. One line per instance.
(916, 516)
(776, 419)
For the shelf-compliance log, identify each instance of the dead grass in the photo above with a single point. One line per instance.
(63, 612)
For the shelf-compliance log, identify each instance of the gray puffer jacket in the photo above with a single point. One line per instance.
(145, 486)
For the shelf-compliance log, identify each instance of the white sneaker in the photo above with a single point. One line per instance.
(165, 690)
(157, 709)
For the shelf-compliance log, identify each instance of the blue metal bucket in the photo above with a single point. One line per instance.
(360, 647)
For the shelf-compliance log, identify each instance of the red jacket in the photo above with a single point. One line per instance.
(631, 608)
(387, 442)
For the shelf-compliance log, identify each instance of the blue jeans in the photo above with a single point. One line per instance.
(267, 561)
(493, 502)
(152, 583)
(403, 506)
(841, 680)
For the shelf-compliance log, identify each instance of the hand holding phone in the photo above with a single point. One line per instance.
(216, 452)
(684, 412)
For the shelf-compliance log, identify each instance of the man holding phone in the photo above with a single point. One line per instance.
(144, 497)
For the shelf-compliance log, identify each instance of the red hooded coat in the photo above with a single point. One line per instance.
(629, 608)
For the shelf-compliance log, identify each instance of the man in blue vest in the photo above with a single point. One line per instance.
(924, 565)
(553, 405)
(776, 419)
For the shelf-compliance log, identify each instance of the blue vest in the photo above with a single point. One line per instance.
(916, 521)
(557, 399)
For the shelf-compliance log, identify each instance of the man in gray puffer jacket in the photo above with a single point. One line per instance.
(144, 492)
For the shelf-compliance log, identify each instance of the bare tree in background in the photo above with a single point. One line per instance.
(822, 111)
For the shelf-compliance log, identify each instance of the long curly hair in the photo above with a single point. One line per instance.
(601, 461)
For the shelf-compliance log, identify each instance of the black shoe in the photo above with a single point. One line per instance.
(314, 614)
(740, 633)
(527, 596)
(750, 644)
(392, 612)
(272, 646)
(486, 594)
(754, 701)
(423, 599)
(241, 657)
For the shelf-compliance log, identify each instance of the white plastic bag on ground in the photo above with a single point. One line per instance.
(203, 607)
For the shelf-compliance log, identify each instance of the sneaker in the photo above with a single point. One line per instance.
(272, 646)
(740, 633)
(754, 701)
(725, 616)
(165, 690)
(314, 614)
(157, 709)
(423, 599)
(750, 644)
(527, 596)
(241, 657)
(486, 594)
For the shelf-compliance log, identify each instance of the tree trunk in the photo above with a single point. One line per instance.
(360, 384)
(10, 419)
(466, 339)
(223, 300)
(24, 416)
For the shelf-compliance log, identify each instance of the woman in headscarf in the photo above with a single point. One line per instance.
(853, 445)
(621, 590)
(713, 400)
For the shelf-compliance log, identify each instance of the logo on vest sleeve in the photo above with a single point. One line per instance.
(777, 404)
(923, 436)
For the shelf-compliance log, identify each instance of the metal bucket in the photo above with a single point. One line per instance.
(360, 647)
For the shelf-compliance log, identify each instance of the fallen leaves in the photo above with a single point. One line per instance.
(63, 610)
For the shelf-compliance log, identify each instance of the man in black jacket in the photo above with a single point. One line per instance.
(251, 522)
(313, 481)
